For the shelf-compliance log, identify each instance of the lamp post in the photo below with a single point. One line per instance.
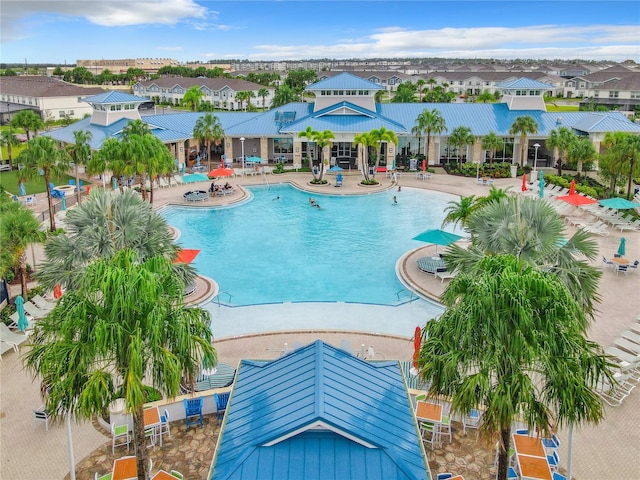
(534, 173)
(242, 150)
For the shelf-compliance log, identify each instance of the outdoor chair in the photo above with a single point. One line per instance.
(164, 425)
(177, 474)
(34, 311)
(42, 303)
(12, 338)
(445, 427)
(193, 411)
(14, 319)
(106, 476)
(551, 444)
(471, 420)
(558, 476)
(512, 474)
(120, 436)
(41, 415)
(221, 404)
(444, 476)
(554, 460)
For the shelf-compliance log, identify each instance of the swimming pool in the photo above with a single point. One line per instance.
(277, 248)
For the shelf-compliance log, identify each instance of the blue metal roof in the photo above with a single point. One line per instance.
(114, 96)
(524, 82)
(344, 81)
(99, 133)
(319, 413)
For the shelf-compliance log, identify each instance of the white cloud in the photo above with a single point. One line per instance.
(107, 13)
(542, 41)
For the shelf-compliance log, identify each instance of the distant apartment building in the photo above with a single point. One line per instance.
(221, 91)
(52, 99)
(149, 65)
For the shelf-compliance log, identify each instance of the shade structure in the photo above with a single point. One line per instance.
(437, 237)
(577, 200)
(524, 182)
(618, 203)
(195, 177)
(622, 247)
(23, 190)
(336, 168)
(186, 255)
(541, 185)
(221, 172)
(23, 322)
(572, 187)
(417, 340)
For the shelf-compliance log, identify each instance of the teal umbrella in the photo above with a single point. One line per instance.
(23, 190)
(23, 322)
(619, 203)
(114, 182)
(541, 185)
(622, 247)
(437, 237)
(63, 202)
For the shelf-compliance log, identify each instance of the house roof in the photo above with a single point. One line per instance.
(44, 87)
(345, 81)
(114, 96)
(319, 413)
(524, 82)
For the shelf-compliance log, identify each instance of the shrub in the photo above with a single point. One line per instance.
(319, 182)
(373, 181)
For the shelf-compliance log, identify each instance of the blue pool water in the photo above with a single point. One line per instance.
(277, 248)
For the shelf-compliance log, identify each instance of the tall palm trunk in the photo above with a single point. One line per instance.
(631, 165)
(78, 194)
(503, 456)
(139, 441)
(22, 266)
(52, 220)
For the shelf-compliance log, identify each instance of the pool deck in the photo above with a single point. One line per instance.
(607, 450)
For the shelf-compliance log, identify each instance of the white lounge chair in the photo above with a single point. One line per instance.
(598, 229)
(178, 179)
(162, 182)
(42, 303)
(13, 324)
(446, 275)
(12, 338)
(34, 311)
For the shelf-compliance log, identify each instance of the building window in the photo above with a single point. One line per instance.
(596, 94)
(61, 114)
(613, 94)
(282, 145)
(635, 94)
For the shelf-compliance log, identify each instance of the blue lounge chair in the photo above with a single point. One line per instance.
(339, 180)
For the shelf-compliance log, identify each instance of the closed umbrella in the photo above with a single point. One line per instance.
(114, 182)
(23, 322)
(424, 165)
(417, 340)
(524, 182)
(23, 190)
(622, 247)
(63, 202)
(57, 291)
(541, 185)
(572, 187)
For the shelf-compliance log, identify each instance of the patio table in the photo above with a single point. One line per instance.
(527, 445)
(620, 260)
(162, 475)
(534, 468)
(151, 417)
(125, 468)
(431, 412)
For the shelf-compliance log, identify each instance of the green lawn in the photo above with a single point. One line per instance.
(9, 182)
(562, 108)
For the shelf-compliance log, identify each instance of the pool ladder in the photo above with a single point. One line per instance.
(412, 296)
(217, 298)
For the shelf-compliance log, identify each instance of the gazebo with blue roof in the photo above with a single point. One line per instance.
(319, 413)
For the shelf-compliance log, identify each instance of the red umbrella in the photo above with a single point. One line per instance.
(577, 200)
(186, 255)
(572, 188)
(424, 165)
(57, 291)
(417, 339)
(524, 182)
(221, 172)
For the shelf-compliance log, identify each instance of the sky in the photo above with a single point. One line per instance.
(51, 31)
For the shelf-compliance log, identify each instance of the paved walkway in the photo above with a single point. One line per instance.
(604, 451)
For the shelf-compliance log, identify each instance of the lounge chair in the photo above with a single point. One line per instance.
(628, 226)
(446, 275)
(15, 317)
(623, 358)
(598, 229)
(339, 180)
(34, 311)
(12, 338)
(42, 303)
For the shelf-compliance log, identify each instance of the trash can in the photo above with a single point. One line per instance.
(514, 171)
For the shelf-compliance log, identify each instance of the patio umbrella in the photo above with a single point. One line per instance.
(23, 322)
(23, 191)
(524, 182)
(621, 247)
(198, 161)
(253, 159)
(424, 165)
(186, 255)
(114, 182)
(221, 172)
(618, 203)
(577, 200)
(572, 187)
(336, 168)
(417, 340)
(437, 237)
(63, 202)
(57, 291)
(541, 185)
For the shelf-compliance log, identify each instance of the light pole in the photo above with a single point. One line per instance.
(534, 174)
(242, 150)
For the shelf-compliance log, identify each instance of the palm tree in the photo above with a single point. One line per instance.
(363, 141)
(192, 97)
(581, 150)
(28, 120)
(532, 231)
(628, 150)
(420, 85)
(9, 140)
(524, 125)
(18, 229)
(309, 134)
(80, 152)
(380, 136)
(284, 94)
(461, 137)
(458, 213)
(110, 157)
(562, 138)
(430, 122)
(241, 97)
(263, 93)
(110, 222)
(323, 140)
(513, 341)
(43, 155)
(126, 326)
(135, 127)
(159, 160)
(208, 129)
(485, 97)
(492, 142)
